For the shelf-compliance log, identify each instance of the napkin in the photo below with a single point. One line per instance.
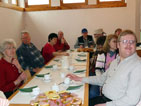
(51, 66)
(57, 60)
(72, 50)
(41, 75)
(79, 71)
(80, 60)
(74, 87)
(81, 55)
(27, 89)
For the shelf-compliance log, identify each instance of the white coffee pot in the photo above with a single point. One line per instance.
(65, 62)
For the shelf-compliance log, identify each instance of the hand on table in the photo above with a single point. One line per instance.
(81, 46)
(21, 77)
(64, 54)
(74, 77)
(36, 69)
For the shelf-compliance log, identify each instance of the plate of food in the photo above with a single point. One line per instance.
(53, 98)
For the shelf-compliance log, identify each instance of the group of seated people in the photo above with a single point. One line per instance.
(28, 57)
(115, 83)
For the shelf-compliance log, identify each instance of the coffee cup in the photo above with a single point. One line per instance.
(47, 77)
(55, 87)
(55, 67)
(67, 81)
(35, 91)
(71, 68)
(62, 75)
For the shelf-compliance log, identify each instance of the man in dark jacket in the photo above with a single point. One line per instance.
(85, 40)
(28, 55)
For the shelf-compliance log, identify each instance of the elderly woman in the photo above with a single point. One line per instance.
(11, 76)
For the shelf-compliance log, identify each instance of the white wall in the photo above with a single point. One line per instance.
(140, 15)
(137, 27)
(41, 23)
(11, 24)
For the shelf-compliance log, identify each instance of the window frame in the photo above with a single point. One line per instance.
(11, 6)
(63, 6)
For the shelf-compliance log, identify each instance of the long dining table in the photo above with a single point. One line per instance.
(18, 99)
(23, 99)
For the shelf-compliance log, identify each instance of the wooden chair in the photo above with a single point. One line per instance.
(28, 75)
(139, 52)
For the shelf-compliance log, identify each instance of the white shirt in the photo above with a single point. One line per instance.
(121, 82)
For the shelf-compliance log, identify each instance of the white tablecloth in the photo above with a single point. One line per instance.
(24, 98)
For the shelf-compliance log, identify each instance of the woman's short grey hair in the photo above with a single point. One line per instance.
(4, 44)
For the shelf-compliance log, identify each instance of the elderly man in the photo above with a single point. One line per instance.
(28, 55)
(98, 33)
(85, 40)
(61, 44)
(121, 82)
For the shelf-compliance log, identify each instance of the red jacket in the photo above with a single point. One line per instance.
(48, 52)
(60, 46)
(8, 74)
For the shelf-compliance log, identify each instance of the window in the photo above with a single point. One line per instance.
(108, 0)
(115, 3)
(38, 2)
(14, 2)
(73, 1)
(5, 1)
(10, 1)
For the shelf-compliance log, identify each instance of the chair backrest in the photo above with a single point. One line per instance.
(42, 51)
(139, 52)
(28, 75)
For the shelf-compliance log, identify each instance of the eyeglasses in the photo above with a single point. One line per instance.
(9, 48)
(127, 42)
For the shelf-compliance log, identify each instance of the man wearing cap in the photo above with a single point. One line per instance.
(98, 33)
(85, 40)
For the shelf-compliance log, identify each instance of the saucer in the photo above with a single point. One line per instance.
(47, 80)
